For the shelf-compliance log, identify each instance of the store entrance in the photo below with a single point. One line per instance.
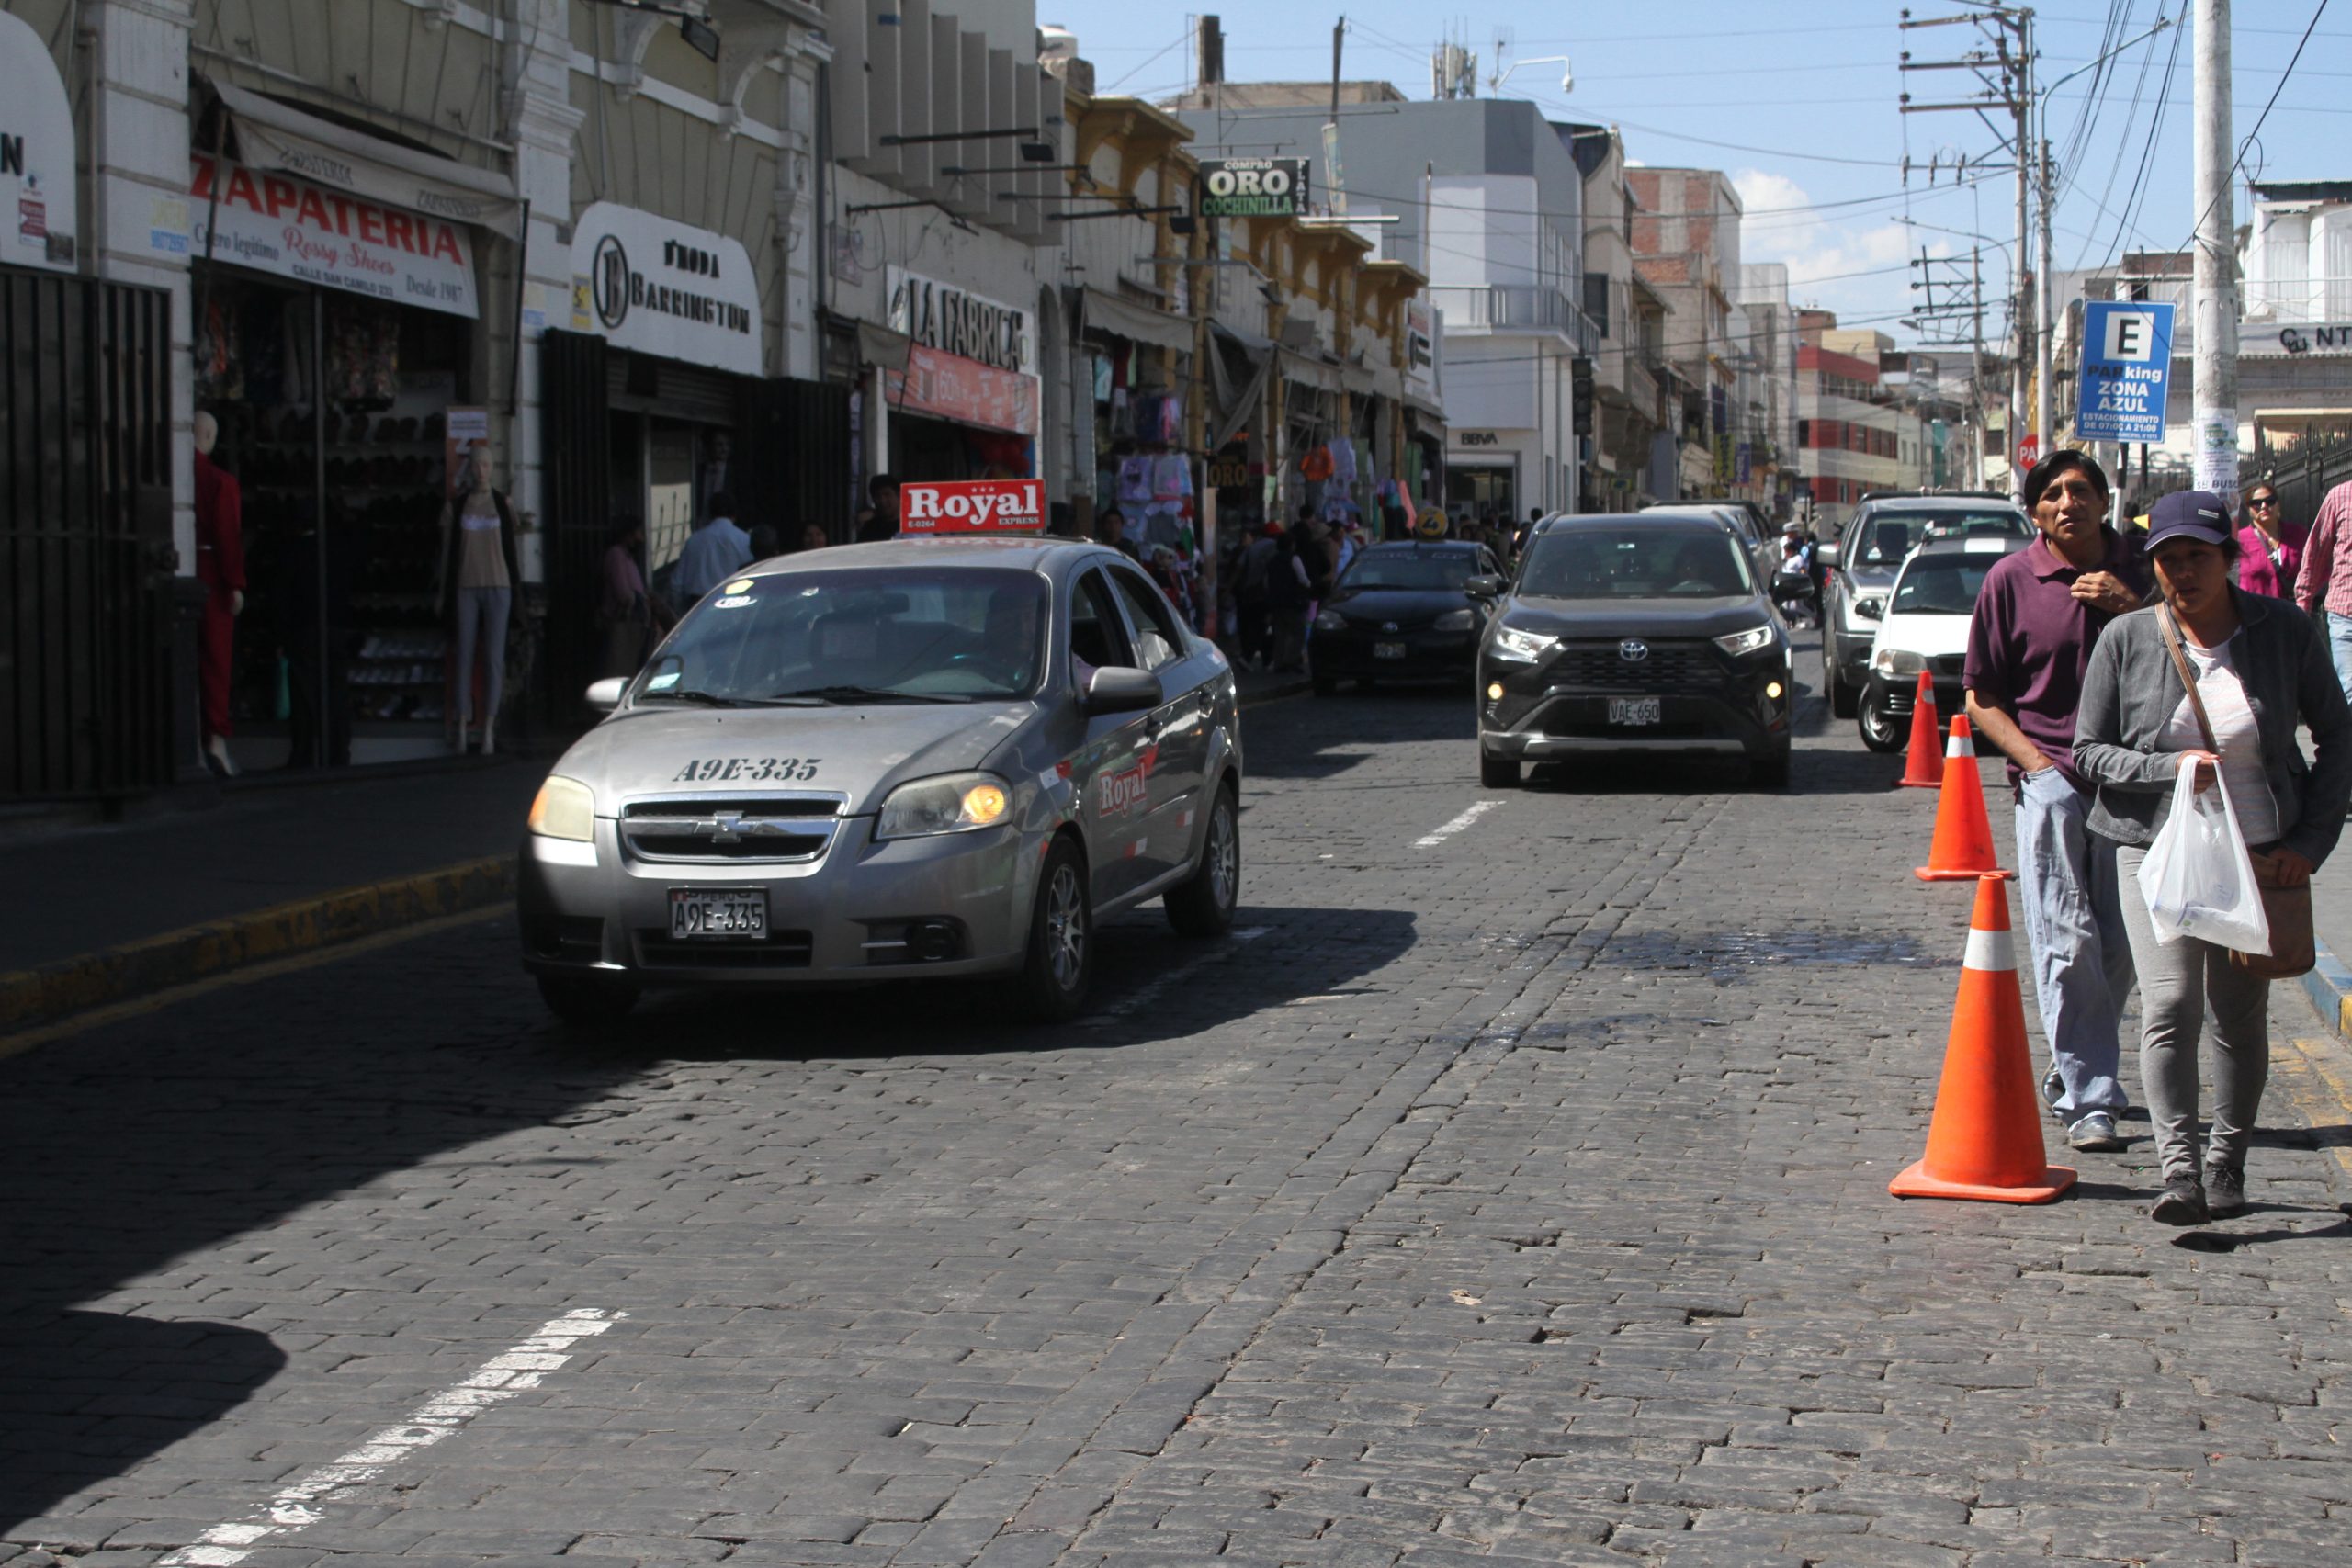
(925, 448)
(361, 480)
(1485, 495)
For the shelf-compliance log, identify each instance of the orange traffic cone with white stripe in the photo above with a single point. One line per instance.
(1919, 770)
(1985, 1140)
(1964, 843)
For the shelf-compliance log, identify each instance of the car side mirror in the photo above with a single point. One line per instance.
(1826, 554)
(1869, 609)
(1483, 587)
(605, 696)
(1120, 689)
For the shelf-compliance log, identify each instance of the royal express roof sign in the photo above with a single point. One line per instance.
(661, 287)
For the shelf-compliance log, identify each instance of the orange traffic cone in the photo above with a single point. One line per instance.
(1964, 842)
(1985, 1140)
(1919, 770)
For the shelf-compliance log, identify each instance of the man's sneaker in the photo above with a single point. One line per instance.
(2224, 1191)
(2053, 1089)
(2182, 1205)
(2096, 1134)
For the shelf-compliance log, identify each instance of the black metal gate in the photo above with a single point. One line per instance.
(796, 466)
(86, 537)
(575, 452)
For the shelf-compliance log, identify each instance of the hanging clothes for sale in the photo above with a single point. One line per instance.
(1343, 461)
(1136, 482)
(1172, 477)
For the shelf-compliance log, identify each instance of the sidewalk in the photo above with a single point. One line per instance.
(101, 915)
(2330, 984)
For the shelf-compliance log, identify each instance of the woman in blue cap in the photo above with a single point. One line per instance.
(2262, 669)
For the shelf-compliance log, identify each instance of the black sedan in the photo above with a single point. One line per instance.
(1647, 635)
(1400, 613)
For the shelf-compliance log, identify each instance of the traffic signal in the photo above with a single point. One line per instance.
(1580, 394)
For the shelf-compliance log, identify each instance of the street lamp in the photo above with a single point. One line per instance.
(1567, 75)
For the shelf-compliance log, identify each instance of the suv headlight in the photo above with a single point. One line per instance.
(1455, 621)
(1749, 641)
(1897, 661)
(952, 803)
(1518, 646)
(1330, 621)
(565, 808)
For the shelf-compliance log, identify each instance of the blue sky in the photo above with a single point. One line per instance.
(1799, 105)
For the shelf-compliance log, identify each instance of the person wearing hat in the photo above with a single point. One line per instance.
(2040, 613)
(2262, 669)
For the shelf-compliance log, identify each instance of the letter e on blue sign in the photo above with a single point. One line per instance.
(2127, 370)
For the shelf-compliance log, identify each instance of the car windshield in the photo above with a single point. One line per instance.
(1635, 562)
(1885, 537)
(856, 637)
(1436, 569)
(1941, 587)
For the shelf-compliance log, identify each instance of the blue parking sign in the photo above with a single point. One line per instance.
(2127, 370)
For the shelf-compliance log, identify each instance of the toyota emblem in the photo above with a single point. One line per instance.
(1632, 650)
(1389, 626)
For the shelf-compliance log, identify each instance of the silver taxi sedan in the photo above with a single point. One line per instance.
(926, 758)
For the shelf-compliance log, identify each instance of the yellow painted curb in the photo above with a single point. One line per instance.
(33, 997)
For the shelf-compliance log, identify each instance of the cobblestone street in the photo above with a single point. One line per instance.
(1510, 1186)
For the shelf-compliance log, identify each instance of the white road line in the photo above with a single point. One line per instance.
(1431, 841)
(1149, 991)
(296, 1505)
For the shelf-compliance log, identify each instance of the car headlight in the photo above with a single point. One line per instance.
(1749, 641)
(1330, 621)
(1518, 646)
(1455, 621)
(1897, 661)
(952, 803)
(565, 808)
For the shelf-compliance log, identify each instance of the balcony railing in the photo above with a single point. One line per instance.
(1511, 307)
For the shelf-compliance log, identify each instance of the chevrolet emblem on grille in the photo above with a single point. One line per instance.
(726, 828)
(1632, 650)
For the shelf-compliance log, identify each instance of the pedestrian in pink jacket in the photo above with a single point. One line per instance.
(2270, 548)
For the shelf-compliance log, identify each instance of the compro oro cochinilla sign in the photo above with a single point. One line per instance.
(1252, 187)
(972, 506)
(646, 283)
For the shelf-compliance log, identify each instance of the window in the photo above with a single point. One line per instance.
(1649, 562)
(1097, 641)
(1158, 642)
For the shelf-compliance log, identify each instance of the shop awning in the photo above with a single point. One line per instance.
(272, 135)
(1136, 323)
(1309, 372)
(881, 347)
(1357, 379)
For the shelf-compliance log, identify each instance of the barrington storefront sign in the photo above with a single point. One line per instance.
(37, 191)
(276, 223)
(661, 287)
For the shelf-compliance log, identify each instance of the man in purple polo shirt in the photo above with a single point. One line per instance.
(2039, 613)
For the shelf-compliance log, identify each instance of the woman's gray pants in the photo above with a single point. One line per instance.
(2178, 981)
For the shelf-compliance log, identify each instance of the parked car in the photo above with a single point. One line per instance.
(1925, 627)
(915, 759)
(1632, 634)
(1399, 614)
(1862, 561)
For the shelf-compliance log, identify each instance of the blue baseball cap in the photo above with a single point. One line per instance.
(2190, 515)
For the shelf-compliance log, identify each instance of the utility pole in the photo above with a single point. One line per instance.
(2216, 313)
(2004, 66)
(1334, 178)
(2045, 328)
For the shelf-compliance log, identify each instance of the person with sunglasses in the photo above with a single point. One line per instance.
(2270, 548)
(2324, 583)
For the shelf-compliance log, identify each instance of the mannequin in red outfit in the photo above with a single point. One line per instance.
(221, 566)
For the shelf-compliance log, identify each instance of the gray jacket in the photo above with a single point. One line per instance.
(2131, 692)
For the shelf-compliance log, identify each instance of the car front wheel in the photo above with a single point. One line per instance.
(1881, 730)
(1060, 966)
(585, 1000)
(1203, 903)
(1497, 773)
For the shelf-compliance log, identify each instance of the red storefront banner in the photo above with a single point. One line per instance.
(276, 223)
(972, 506)
(952, 386)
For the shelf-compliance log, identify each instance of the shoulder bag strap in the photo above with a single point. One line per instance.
(2187, 680)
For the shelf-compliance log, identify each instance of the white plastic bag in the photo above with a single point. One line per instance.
(2197, 878)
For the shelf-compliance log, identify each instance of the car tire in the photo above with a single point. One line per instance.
(1770, 771)
(1326, 685)
(1497, 773)
(1203, 903)
(1842, 697)
(1059, 967)
(1879, 731)
(586, 1000)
